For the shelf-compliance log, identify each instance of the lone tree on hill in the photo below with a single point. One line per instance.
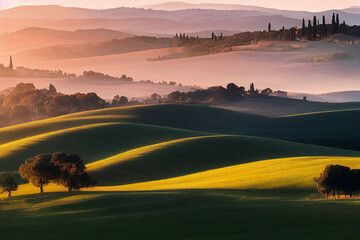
(7, 183)
(39, 170)
(73, 173)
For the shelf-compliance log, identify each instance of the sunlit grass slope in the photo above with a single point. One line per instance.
(191, 155)
(202, 118)
(93, 142)
(178, 215)
(289, 173)
(16, 132)
(338, 129)
(295, 174)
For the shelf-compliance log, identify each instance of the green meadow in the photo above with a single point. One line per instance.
(186, 172)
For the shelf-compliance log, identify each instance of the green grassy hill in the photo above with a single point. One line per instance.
(192, 155)
(178, 215)
(198, 118)
(287, 174)
(277, 106)
(338, 129)
(185, 172)
(93, 142)
(109, 132)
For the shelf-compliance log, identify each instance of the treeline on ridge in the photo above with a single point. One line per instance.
(219, 94)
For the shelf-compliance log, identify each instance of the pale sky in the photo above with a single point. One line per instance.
(309, 5)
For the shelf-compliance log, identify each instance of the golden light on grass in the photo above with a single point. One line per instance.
(295, 173)
(284, 173)
(132, 154)
(7, 148)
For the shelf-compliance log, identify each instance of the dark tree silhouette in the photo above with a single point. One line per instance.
(73, 173)
(309, 33)
(303, 29)
(232, 87)
(39, 170)
(334, 179)
(252, 89)
(269, 27)
(155, 97)
(117, 100)
(11, 65)
(333, 24)
(7, 183)
(314, 28)
(324, 28)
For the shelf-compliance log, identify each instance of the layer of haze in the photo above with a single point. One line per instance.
(308, 5)
(314, 67)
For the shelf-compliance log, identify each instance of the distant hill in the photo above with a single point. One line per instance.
(345, 96)
(354, 10)
(172, 6)
(201, 17)
(36, 37)
(154, 25)
(102, 48)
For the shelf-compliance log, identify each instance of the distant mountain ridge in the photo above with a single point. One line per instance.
(183, 17)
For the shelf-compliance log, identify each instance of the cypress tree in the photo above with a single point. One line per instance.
(11, 65)
(309, 33)
(337, 23)
(303, 28)
(314, 28)
(269, 27)
(324, 28)
(333, 24)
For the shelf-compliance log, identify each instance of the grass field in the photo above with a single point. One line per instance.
(215, 214)
(185, 172)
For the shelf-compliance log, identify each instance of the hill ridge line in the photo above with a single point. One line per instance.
(14, 145)
(107, 162)
(320, 112)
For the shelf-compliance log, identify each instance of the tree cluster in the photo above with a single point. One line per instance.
(213, 94)
(119, 101)
(24, 103)
(64, 169)
(102, 76)
(24, 72)
(337, 180)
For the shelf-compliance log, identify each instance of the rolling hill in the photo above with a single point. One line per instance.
(93, 49)
(35, 37)
(172, 171)
(242, 18)
(129, 137)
